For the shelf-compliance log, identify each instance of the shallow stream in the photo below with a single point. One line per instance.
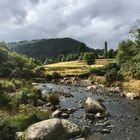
(125, 114)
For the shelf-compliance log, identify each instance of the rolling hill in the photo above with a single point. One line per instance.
(49, 48)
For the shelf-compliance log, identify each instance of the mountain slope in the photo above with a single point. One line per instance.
(49, 48)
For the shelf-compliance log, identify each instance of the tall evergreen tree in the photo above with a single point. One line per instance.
(105, 50)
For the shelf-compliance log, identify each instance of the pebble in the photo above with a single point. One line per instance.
(105, 131)
(80, 139)
(56, 113)
(65, 115)
(110, 126)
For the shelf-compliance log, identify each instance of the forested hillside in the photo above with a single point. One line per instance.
(49, 48)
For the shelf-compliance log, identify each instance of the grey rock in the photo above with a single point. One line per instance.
(52, 129)
(56, 113)
(105, 131)
(94, 106)
(45, 130)
(80, 139)
(99, 116)
(65, 115)
(48, 104)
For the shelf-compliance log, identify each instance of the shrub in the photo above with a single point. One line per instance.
(17, 83)
(111, 66)
(35, 95)
(10, 87)
(4, 99)
(113, 75)
(7, 130)
(27, 116)
(28, 95)
(19, 98)
(98, 71)
(56, 75)
(1, 86)
(48, 77)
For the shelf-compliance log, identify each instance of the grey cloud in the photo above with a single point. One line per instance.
(92, 22)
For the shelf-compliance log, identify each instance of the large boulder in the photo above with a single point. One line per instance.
(45, 130)
(52, 129)
(94, 106)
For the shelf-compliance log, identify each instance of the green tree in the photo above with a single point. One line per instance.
(89, 58)
(111, 53)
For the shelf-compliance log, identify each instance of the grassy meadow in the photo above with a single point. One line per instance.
(74, 67)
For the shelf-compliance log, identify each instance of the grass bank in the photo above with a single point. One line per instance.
(74, 67)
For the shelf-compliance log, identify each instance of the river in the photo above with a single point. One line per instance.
(124, 122)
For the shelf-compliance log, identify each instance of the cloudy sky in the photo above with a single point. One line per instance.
(90, 21)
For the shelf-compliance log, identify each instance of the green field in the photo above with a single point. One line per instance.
(74, 67)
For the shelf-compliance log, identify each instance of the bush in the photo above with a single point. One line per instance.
(113, 75)
(101, 71)
(98, 71)
(28, 95)
(7, 130)
(19, 98)
(10, 87)
(56, 75)
(18, 83)
(35, 95)
(111, 66)
(1, 87)
(4, 99)
(28, 115)
(20, 122)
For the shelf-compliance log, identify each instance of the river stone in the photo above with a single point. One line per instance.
(99, 116)
(94, 106)
(105, 131)
(45, 130)
(80, 139)
(131, 95)
(93, 87)
(71, 129)
(65, 115)
(56, 113)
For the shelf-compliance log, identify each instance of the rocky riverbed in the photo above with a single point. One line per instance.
(122, 124)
